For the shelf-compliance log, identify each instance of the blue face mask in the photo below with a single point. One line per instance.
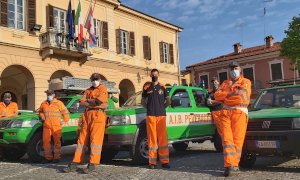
(6, 101)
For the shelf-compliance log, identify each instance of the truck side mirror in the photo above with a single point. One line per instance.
(176, 103)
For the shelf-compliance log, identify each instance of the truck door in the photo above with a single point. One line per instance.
(200, 118)
(177, 126)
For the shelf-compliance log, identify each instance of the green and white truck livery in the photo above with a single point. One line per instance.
(188, 119)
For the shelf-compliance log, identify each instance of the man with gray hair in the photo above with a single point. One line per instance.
(8, 108)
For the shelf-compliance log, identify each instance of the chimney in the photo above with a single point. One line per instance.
(269, 41)
(237, 48)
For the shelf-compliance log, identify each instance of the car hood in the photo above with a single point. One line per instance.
(275, 113)
(25, 116)
(126, 110)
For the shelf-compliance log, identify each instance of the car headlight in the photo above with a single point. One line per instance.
(120, 120)
(296, 123)
(22, 124)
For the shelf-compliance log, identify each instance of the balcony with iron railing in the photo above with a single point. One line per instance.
(54, 42)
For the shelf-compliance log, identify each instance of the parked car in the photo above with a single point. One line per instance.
(274, 124)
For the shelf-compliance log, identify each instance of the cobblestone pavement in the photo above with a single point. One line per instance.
(199, 162)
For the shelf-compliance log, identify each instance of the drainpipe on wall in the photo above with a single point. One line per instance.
(177, 43)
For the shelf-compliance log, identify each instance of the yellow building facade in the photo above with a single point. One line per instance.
(129, 44)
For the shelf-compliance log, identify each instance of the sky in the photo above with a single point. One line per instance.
(211, 27)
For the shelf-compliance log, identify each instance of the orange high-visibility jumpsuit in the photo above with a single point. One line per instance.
(156, 123)
(93, 125)
(7, 111)
(51, 114)
(234, 118)
(215, 111)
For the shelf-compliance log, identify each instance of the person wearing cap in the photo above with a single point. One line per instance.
(8, 108)
(50, 113)
(215, 106)
(235, 95)
(95, 99)
(155, 98)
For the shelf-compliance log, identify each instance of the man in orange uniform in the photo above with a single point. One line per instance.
(93, 125)
(7, 107)
(50, 113)
(157, 100)
(215, 106)
(235, 94)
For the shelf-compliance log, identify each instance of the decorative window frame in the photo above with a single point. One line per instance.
(205, 74)
(276, 61)
(221, 71)
(249, 66)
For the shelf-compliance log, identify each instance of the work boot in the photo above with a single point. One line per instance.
(56, 161)
(46, 161)
(90, 168)
(71, 168)
(166, 166)
(231, 171)
(151, 166)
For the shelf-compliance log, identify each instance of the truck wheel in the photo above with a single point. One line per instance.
(139, 152)
(13, 154)
(218, 142)
(182, 146)
(35, 148)
(107, 155)
(247, 159)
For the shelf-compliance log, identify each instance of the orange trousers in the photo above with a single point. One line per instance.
(54, 132)
(157, 139)
(216, 119)
(92, 131)
(233, 124)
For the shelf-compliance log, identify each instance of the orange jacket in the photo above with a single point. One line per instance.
(51, 113)
(235, 94)
(10, 110)
(99, 94)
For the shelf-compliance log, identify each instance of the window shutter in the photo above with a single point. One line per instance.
(147, 47)
(171, 53)
(118, 41)
(50, 20)
(95, 27)
(161, 51)
(31, 11)
(104, 31)
(4, 13)
(132, 43)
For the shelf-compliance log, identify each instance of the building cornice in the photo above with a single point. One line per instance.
(240, 60)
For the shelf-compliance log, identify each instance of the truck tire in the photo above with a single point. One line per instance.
(218, 142)
(13, 154)
(182, 146)
(139, 151)
(35, 148)
(247, 159)
(107, 155)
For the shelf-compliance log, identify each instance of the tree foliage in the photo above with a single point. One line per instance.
(290, 46)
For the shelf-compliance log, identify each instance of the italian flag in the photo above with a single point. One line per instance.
(78, 22)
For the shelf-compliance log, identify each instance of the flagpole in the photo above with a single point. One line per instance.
(88, 15)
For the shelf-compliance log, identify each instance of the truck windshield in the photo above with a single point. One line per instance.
(282, 97)
(134, 100)
(65, 100)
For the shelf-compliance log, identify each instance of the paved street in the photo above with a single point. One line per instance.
(199, 162)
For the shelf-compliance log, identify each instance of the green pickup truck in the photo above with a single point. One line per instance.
(274, 124)
(187, 120)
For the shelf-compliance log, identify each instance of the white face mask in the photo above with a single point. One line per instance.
(49, 98)
(95, 83)
(235, 74)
